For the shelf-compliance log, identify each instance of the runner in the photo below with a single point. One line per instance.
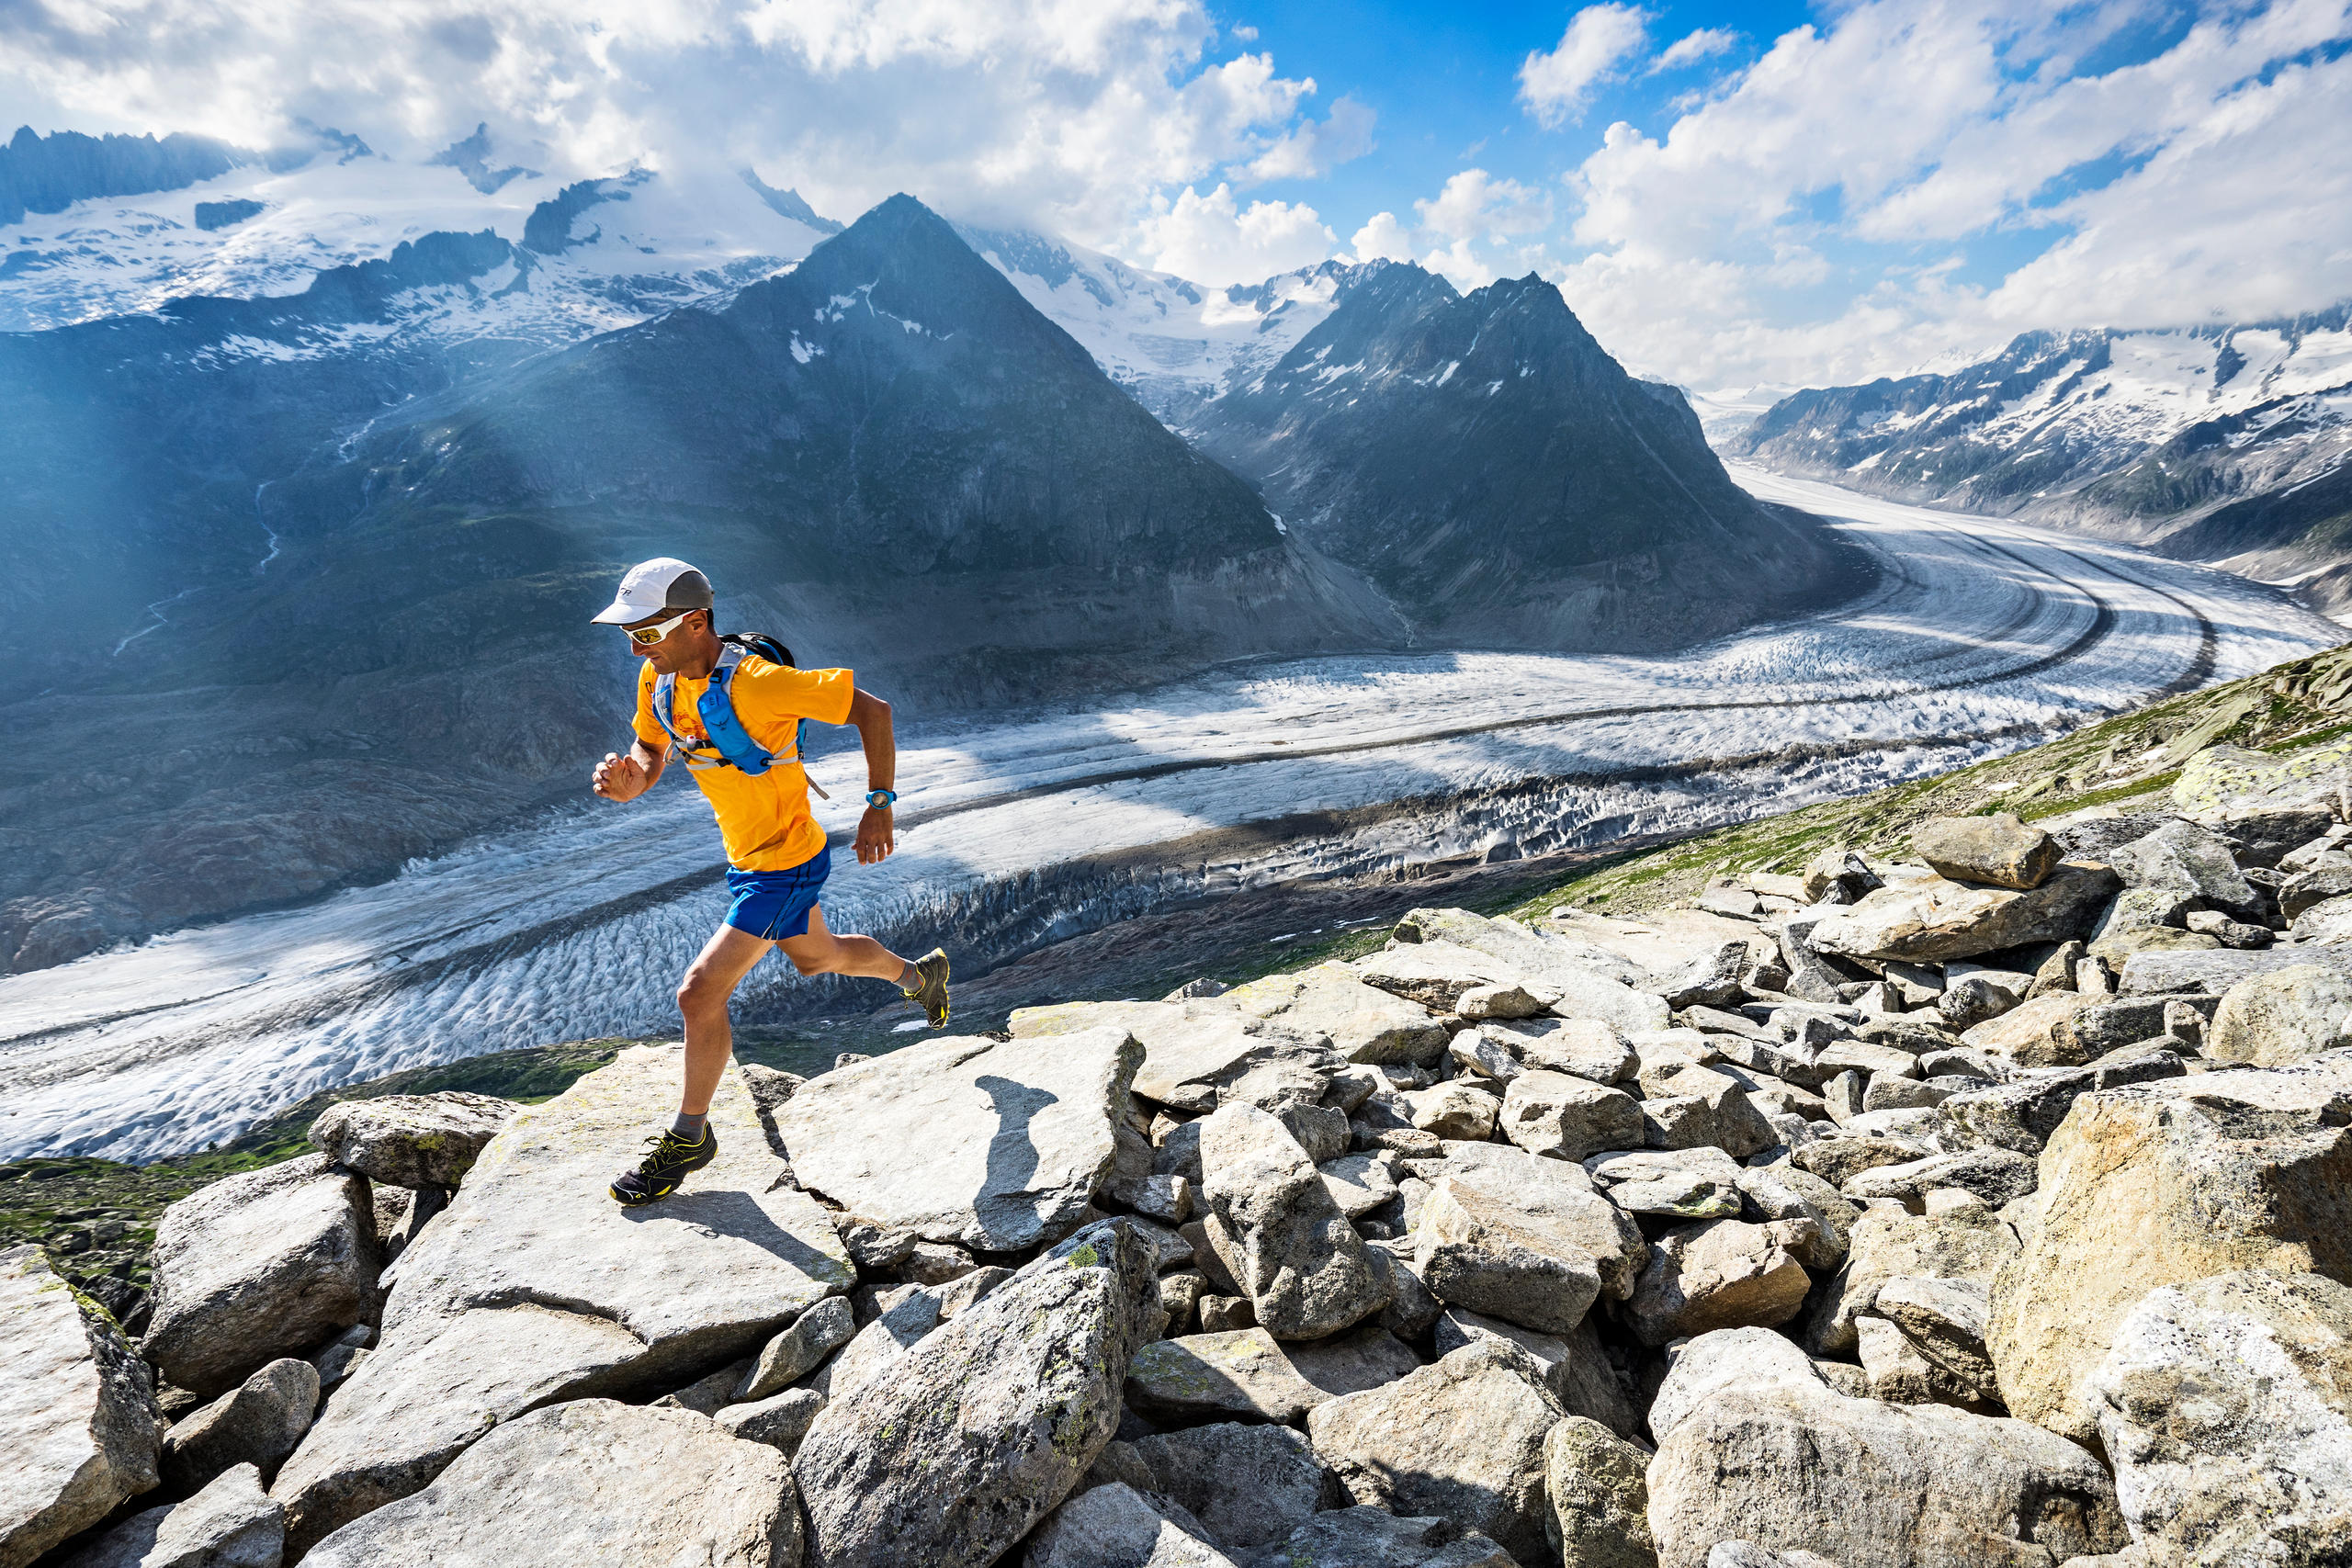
(729, 736)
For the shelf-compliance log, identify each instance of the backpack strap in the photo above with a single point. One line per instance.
(665, 694)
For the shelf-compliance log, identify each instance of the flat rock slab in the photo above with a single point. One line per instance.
(1014, 1139)
(2168, 974)
(535, 1287)
(1363, 1022)
(1789, 1466)
(257, 1266)
(1248, 1375)
(230, 1524)
(590, 1481)
(78, 1423)
(1460, 1439)
(411, 1140)
(985, 1426)
(1933, 920)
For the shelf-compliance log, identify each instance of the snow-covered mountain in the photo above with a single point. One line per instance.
(604, 253)
(1174, 344)
(2224, 444)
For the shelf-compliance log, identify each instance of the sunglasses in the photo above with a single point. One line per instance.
(646, 636)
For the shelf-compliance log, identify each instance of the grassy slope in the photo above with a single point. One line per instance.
(97, 1217)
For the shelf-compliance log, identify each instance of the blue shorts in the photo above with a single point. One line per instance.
(776, 904)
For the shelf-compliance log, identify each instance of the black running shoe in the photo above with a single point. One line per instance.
(931, 986)
(671, 1161)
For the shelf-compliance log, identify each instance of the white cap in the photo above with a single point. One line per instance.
(653, 586)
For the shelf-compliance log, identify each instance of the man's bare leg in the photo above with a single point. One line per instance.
(703, 996)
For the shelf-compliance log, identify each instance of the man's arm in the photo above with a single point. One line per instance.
(877, 829)
(627, 776)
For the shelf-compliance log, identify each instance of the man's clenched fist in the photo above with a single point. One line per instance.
(618, 777)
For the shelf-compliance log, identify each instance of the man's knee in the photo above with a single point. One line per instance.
(701, 993)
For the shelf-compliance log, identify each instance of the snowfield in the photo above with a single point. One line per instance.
(1983, 637)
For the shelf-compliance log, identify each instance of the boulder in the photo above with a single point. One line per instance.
(1838, 1160)
(825, 1327)
(2162, 1184)
(2027, 1034)
(589, 1482)
(1374, 1538)
(1514, 1000)
(2271, 1020)
(2174, 974)
(1993, 1175)
(2225, 1405)
(2106, 1025)
(1363, 1022)
(2326, 924)
(1580, 980)
(1967, 1244)
(259, 1265)
(1016, 1135)
(1595, 1483)
(1248, 1375)
(1786, 1192)
(1584, 1047)
(1814, 973)
(1456, 1108)
(1411, 1308)
(1477, 1051)
(2317, 885)
(535, 1288)
(1720, 1116)
(229, 1524)
(1997, 849)
(2021, 1115)
(1301, 1262)
(78, 1420)
(256, 1423)
(1682, 1184)
(1532, 1247)
(907, 1318)
(1115, 1526)
(1944, 1319)
(1569, 1118)
(1898, 1371)
(1460, 1439)
(991, 1420)
(1358, 1183)
(1790, 1467)
(781, 1420)
(1708, 980)
(1704, 1367)
(2184, 859)
(1720, 1274)
(1247, 1486)
(1436, 974)
(1933, 920)
(2232, 780)
(411, 1140)
(1575, 1367)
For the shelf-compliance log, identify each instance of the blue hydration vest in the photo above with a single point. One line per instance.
(730, 745)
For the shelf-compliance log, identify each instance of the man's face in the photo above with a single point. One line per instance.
(671, 654)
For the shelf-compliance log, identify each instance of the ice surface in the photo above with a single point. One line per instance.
(1985, 637)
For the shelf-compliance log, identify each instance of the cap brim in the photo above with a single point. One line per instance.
(620, 612)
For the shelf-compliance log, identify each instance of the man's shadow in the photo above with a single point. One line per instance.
(1012, 1153)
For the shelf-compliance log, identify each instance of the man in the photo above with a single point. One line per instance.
(775, 851)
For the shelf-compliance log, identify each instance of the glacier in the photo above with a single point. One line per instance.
(1982, 637)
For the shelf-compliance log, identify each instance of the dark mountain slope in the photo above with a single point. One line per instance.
(1505, 481)
(884, 456)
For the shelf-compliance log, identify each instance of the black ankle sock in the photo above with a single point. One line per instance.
(689, 1127)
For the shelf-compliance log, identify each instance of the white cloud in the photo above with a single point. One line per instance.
(1068, 114)
(1691, 47)
(1555, 86)
(1805, 222)
(1211, 239)
(1474, 231)
(1381, 239)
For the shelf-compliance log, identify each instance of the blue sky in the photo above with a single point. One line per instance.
(1728, 196)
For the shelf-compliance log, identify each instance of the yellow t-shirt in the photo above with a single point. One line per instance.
(764, 819)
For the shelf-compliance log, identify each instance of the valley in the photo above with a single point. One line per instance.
(1036, 836)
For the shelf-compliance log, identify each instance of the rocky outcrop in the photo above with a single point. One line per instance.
(1017, 1135)
(534, 1288)
(231, 1523)
(2165, 1184)
(259, 1267)
(78, 1413)
(411, 1140)
(991, 1421)
(590, 1481)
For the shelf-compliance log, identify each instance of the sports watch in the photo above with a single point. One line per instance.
(881, 799)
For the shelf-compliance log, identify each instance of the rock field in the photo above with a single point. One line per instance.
(1989, 1205)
